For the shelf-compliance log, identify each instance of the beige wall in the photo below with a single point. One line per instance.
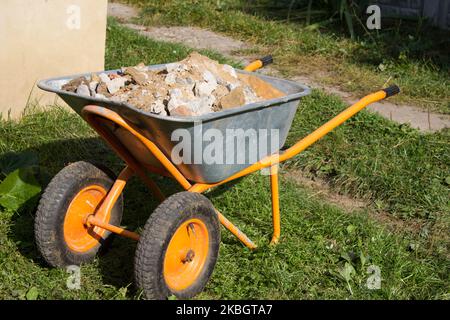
(41, 39)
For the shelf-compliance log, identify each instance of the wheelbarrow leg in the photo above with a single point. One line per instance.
(235, 231)
(275, 204)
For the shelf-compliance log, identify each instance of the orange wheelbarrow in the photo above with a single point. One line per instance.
(178, 248)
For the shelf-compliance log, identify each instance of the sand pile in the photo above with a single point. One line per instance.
(193, 86)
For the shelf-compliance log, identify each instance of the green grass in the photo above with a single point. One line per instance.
(317, 239)
(400, 169)
(397, 168)
(357, 66)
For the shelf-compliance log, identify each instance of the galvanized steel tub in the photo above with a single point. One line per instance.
(244, 130)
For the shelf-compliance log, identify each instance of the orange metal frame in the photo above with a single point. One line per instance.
(98, 116)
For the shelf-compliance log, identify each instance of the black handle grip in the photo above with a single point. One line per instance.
(391, 90)
(266, 60)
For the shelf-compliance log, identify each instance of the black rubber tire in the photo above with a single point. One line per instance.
(155, 238)
(55, 200)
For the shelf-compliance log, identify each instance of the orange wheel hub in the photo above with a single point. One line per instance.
(77, 235)
(186, 254)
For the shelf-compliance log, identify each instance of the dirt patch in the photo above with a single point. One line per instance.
(193, 37)
(322, 190)
(121, 12)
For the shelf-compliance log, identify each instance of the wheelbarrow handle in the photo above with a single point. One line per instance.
(258, 64)
(311, 138)
(338, 120)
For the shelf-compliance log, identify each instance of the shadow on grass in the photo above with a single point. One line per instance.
(415, 37)
(116, 263)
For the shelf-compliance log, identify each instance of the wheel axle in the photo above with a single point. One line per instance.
(92, 221)
(189, 256)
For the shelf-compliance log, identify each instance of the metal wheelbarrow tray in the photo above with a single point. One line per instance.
(179, 244)
(274, 117)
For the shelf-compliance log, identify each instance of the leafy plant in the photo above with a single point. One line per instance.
(19, 187)
(346, 272)
(32, 294)
(21, 183)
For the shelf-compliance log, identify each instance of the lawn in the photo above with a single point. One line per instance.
(324, 252)
(398, 53)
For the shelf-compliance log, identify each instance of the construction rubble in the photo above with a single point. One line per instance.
(194, 86)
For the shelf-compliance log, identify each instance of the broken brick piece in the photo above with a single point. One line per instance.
(234, 99)
(182, 111)
(73, 84)
(261, 87)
